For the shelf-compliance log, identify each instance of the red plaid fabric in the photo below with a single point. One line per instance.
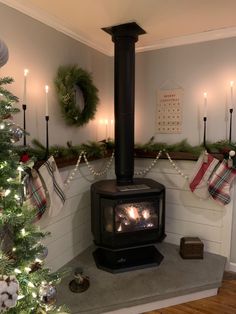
(36, 195)
(220, 183)
(204, 167)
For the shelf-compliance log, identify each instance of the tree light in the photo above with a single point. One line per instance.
(23, 232)
(31, 285)
(17, 197)
(17, 271)
(3, 165)
(37, 260)
(7, 192)
(20, 168)
(34, 295)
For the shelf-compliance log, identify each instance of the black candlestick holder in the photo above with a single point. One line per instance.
(204, 131)
(230, 123)
(47, 141)
(24, 123)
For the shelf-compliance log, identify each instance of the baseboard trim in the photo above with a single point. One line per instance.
(165, 303)
(232, 267)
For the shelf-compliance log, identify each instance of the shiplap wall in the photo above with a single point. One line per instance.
(71, 228)
(186, 214)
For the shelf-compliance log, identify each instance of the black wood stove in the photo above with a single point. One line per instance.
(128, 214)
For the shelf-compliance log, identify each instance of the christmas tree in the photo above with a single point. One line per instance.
(25, 286)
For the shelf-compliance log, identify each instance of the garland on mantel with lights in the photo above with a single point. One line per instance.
(208, 182)
(96, 150)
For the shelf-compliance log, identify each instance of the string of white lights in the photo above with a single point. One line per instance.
(73, 172)
(146, 170)
(91, 169)
(108, 165)
(177, 169)
(100, 173)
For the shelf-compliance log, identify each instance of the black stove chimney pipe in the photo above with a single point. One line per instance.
(124, 37)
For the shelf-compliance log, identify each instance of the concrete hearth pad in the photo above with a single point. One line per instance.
(175, 277)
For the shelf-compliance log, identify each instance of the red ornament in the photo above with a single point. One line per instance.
(24, 158)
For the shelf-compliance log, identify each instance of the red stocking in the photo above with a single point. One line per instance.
(220, 183)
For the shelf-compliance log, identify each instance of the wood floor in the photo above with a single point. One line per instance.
(223, 303)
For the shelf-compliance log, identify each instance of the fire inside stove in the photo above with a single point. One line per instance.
(134, 217)
(130, 217)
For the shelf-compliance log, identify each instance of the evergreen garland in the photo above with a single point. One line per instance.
(100, 149)
(68, 77)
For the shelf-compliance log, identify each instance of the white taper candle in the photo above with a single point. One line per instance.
(231, 95)
(26, 71)
(46, 99)
(205, 105)
(106, 129)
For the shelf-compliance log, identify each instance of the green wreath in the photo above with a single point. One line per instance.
(68, 77)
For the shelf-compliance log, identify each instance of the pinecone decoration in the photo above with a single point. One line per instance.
(6, 238)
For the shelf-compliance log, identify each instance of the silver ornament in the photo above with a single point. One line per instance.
(3, 53)
(43, 254)
(48, 294)
(16, 133)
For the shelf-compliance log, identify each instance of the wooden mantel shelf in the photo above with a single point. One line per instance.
(66, 162)
(173, 155)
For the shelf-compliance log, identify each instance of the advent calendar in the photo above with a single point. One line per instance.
(169, 111)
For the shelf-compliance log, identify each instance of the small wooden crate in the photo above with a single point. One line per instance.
(191, 248)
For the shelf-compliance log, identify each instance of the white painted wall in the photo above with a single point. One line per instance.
(41, 49)
(71, 228)
(208, 66)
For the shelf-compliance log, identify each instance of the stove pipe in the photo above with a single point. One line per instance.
(124, 37)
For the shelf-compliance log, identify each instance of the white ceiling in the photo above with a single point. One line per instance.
(167, 22)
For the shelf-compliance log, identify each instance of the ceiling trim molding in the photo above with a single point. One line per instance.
(54, 23)
(191, 39)
(165, 43)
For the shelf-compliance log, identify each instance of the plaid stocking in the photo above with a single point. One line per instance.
(55, 187)
(36, 193)
(220, 183)
(198, 183)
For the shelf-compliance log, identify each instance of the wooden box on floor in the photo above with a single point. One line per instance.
(191, 248)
